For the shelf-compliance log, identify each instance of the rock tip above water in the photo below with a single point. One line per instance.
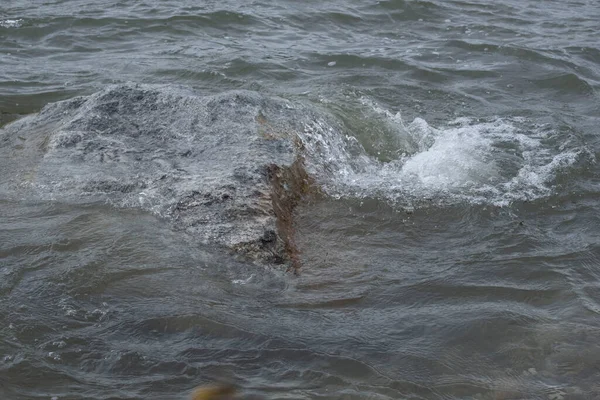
(223, 168)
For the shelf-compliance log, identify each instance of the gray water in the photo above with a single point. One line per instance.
(454, 253)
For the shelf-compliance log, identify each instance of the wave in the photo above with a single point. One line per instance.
(11, 23)
(492, 161)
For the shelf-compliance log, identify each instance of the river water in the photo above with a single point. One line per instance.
(454, 253)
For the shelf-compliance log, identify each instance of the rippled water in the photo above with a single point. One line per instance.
(453, 255)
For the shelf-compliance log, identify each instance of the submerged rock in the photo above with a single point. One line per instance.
(225, 168)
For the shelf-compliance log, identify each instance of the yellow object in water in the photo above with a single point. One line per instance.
(213, 392)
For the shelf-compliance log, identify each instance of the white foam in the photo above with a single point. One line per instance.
(496, 161)
(458, 157)
(242, 281)
(11, 23)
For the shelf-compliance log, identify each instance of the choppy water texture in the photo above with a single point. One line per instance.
(453, 255)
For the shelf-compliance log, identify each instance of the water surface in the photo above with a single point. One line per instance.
(453, 255)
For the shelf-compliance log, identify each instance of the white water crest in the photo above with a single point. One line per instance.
(11, 23)
(483, 161)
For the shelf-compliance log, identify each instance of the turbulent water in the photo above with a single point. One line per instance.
(454, 253)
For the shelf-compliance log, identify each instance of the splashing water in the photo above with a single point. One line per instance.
(495, 161)
(11, 23)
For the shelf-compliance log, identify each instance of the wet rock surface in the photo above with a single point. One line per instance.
(225, 169)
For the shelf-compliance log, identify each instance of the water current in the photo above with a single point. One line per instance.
(454, 252)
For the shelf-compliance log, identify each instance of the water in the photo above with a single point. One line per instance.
(453, 255)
